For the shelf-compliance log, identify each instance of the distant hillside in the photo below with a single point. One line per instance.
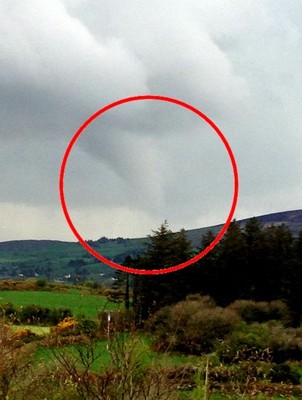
(292, 219)
(69, 261)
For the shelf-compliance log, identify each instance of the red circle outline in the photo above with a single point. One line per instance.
(191, 260)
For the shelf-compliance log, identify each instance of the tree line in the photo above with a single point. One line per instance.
(251, 263)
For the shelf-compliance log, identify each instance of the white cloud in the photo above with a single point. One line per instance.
(22, 221)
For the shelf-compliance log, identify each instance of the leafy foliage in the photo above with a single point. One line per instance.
(192, 326)
(261, 311)
(34, 314)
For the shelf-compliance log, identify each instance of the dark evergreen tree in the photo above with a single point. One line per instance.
(257, 250)
(205, 274)
(119, 280)
(293, 282)
(248, 263)
(150, 292)
(232, 280)
(298, 246)
(279, 260)
(128, 263)
(122, 282)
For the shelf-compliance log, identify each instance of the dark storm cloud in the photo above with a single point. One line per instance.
(61, 61)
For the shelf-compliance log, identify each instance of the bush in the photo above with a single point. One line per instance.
(192, 326)
(286, 344)
(33, 314)
(247, 342)
(59, 314)
(15, 359)
(261, 311)
(129, 373)
(41, 283)
(266, 341)
(87, 327)
(26, 335)
(72, 326)
(241, 372)
(36, 314)
(67, 326)
(282, 373)
(96, 287)
(7, 310)
(116, 321)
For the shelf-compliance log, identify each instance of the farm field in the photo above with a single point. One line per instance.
(130, 354)
(37, 329)
(79, 302)
(55, 259)
(142, 345)
(141, 353)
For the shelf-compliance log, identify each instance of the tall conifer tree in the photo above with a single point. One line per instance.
(150, 292)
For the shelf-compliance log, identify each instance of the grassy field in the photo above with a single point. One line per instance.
(38, 330)
(142, 354)
(132, 349)
(140, 349)
(44, 253)
(78, 302)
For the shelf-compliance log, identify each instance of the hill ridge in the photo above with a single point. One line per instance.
(61, 260)
(275, 217)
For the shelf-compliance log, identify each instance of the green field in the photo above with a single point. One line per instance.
(142, 354)
(141, 348)
(37, 329)
(29, 256)
(78, 302)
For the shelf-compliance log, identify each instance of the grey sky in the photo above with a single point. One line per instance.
(141, 163)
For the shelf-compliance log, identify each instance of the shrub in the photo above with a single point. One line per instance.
(15, 359)
(72, 326)
(286, 344)
(241, 372)
(129, 374)
(261, 311)
(58, 314)
(192, 326)
(41, 283)
(266, 341)
(26, 335)
(67, 326)
(247, 342)
(33, 314)
(87, 327)
(283, 373)
(96, 287)
(116, 321)
(7, 310)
